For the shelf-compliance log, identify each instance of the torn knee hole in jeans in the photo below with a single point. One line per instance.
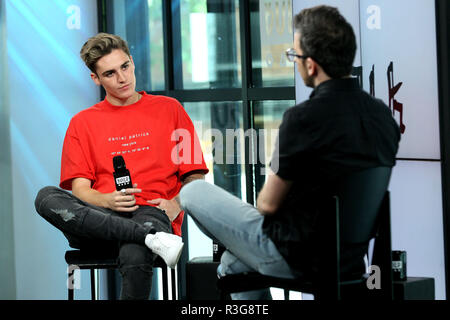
(148, 224)
(65, 214)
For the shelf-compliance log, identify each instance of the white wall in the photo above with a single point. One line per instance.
(7, 267)
(48, 84)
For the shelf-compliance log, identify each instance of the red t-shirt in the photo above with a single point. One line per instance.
(155, 136)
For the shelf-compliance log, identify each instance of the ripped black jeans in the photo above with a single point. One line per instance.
(94, 228)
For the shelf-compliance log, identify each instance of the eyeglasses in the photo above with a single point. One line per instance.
(291, 54)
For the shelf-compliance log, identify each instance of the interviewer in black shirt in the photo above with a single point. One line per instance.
(339, 130)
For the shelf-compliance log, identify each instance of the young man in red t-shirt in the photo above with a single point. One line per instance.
(157, 140)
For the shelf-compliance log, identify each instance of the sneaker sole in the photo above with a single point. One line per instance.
(180, 250)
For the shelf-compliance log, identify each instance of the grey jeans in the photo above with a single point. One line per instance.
(238, 226)
(93, 228)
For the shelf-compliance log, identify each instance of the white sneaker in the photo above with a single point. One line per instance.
(166, 245)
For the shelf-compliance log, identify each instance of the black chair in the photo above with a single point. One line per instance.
(82, 259)
(362, 213)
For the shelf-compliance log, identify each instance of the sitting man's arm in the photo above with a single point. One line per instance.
(116, 201)
(172, 206)
(189, 177)
(272, 194)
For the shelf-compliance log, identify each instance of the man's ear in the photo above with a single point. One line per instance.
(95, 78)
(311, 66)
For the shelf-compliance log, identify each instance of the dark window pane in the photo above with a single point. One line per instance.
(139, 22)
(219, 127)
(209, 43)
(214, 124)
(268, 117)
(272, 34)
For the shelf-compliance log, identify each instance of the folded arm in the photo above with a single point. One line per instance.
(272, 194)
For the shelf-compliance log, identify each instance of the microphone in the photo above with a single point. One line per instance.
(122, 176)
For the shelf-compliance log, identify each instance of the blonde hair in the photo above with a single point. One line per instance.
(100, 45)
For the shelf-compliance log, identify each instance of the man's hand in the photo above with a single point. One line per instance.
(171, 207)
(116, 200)
(122, 201)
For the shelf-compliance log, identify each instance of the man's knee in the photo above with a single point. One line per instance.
(43, 194)
(190, 191)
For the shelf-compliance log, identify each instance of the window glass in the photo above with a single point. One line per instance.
(140, 24)
(271, 34)
(268, 117)
(219, 127)
(156, 45)
(209, 44)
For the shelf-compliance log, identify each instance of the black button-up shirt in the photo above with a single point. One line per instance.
(339, 130)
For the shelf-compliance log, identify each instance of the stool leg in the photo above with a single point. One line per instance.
(174, 284)
(69, 283)
(92, 284)
(223, 295)
(165, 283)
(70, 294)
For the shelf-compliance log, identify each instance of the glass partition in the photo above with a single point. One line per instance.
(272, 34)
(141, 24)
(219, 127)
(210, 44)
(268, 117)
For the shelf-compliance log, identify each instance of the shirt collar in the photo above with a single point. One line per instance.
(344, 84)
(112, 106)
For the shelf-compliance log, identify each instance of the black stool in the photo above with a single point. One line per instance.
(78, 259)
